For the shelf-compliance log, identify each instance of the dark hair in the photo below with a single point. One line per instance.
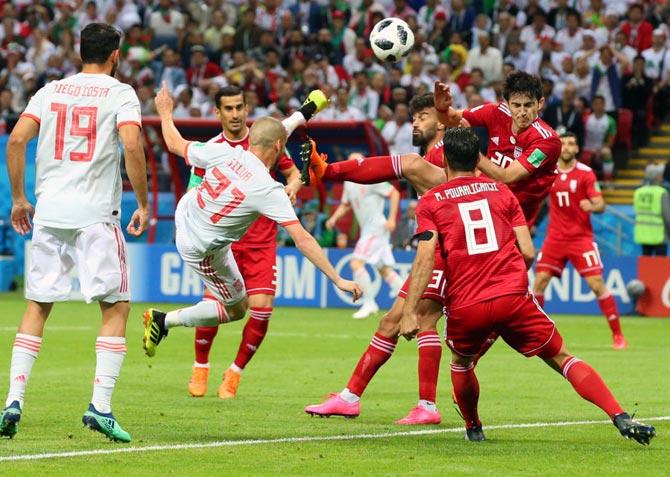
(598, 96)
(461, 149)
(228, 91)
(98, 41)
(421, 102)
(520, 82)
(569, 134)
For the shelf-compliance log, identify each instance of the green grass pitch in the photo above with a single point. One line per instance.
(307, 354)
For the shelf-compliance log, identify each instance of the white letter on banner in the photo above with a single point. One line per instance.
(616, 285)
(170, 276)
(190, 282)
(299, 281)
(560, 286)
(665, 294)
(577, 291)
(280, 275)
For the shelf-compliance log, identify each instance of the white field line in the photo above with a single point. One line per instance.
(293, 440)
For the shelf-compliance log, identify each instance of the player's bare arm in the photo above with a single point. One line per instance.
(22, 210)
(422, 269)
(173, 139)
(293, 183)
(310, 248)
(136, 167)
(394, 204)
(340, 212)
(595, 205)
(525, 244)
(509, 175)
(447, 115)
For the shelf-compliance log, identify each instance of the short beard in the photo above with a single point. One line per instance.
(422, 139)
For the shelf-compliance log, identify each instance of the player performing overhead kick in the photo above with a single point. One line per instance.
(236, 189)
(80, 120)
(255, 253)
(479, 229)
(574, 196)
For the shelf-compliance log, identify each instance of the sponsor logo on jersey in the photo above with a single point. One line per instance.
(517, 152)
(536, 158)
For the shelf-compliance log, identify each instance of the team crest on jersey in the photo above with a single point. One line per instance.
(573, 185)
(495, 140)
(517, 152)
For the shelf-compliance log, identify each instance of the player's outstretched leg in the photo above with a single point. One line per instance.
(105, 423)
(9, 420)
(347, 402)
(204, 339)
(154, 330)
(466, 391)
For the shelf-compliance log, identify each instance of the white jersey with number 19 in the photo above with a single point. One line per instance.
(78, 180)
(236, 189)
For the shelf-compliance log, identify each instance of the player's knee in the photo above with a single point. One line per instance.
(237, 311)
(541, 282)
(459, 360)
(597, 284)
(389, 325)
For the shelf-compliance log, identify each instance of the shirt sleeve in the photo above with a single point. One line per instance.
(129, 108)
(277, 206)
(34, 108)
(611, 127)
(481, 115)
(591, 186)
(285, 162)
(200, 154)
(424, 216)
(541, 153)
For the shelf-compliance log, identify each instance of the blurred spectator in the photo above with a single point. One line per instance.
(166, 26)
(313, 221)
(404, 231)
(89, 15)
(169, 70)
(486, 58)
(461, 19)
(385, 115)
(570, 35)
(600, 133)
(133, 37)
(637, 89)
(340, 110)
(8, 115)
(505, 32)
(606, 80)
(517, 56)
(255, 111)
(416, 75)
(353, 61)
(286, 104)
(487, 93)
(559, 16)
(402, 10)
(657, 68)
(268, 15)
(443, 74)
(637, 29)
(530, 35)
(65, 20)
(184, 105)
(582, 77)
(431, 13)
(439, 34)
(248, 34)
(40, 51)
(398, 132)
(135, 70)
(307, 14)
(563, 116)
(341, 240)
(362, 97)
(343, 38)
(621, 46)
(201, 72)
(215, 30)
(325, 72)
(11, 76)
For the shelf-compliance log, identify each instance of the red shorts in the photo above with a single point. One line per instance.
(518, 319)
(436, 286)
(258, 266)
(583, 254)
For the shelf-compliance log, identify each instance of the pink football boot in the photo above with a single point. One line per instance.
(335, 406)
(420, 416)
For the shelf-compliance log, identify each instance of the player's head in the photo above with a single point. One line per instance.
(523, 94)
(231, 109)
(461, 149)
(569, 147)
(267, 139)
(100, 45)
(425, 124)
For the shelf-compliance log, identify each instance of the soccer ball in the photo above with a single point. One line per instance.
(635, 288)
(391, 39)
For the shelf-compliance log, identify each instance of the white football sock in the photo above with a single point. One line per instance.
(427, 405)
(109, 351)
(292, 122)
(24, 353)
(205, 313)
(348, 396)
(362, 277)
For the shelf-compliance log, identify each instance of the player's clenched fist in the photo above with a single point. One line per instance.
(349, 287)
(409, 325)
(138, 222)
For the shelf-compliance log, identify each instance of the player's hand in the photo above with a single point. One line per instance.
(292, 191)
(330, 224)
(138, 222)
(409, 325)
(390, 224)
(163, 101)
(442, 96)
(586, 205)
(22, 212)
(350, 287)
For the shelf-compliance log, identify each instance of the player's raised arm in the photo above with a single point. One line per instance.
(311, 249)
(136, 167)
(164, 105)
(26, 128)
(447, 115)
(509, 175)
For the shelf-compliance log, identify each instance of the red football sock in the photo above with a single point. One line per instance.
(252, 335)
(370, 170)
(490, 341)
(378, 353)
(204, 338)
(589, 385)
(430, 353)
(539, 297)
(466, 390)
(608, 306)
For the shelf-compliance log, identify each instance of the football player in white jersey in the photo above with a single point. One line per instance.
(80, 120)
(237, 187)
(374, 244)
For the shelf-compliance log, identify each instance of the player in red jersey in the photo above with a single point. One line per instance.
(255, 255)
(574, 196)
(427, 133)
(481, 232)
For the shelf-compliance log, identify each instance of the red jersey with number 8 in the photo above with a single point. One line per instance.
(474, 218)
(537, 148)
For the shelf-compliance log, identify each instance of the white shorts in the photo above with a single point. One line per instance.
(217, 269)
(375, 250)
(99, 253)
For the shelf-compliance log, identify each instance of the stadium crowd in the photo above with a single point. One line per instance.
(601, 63)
